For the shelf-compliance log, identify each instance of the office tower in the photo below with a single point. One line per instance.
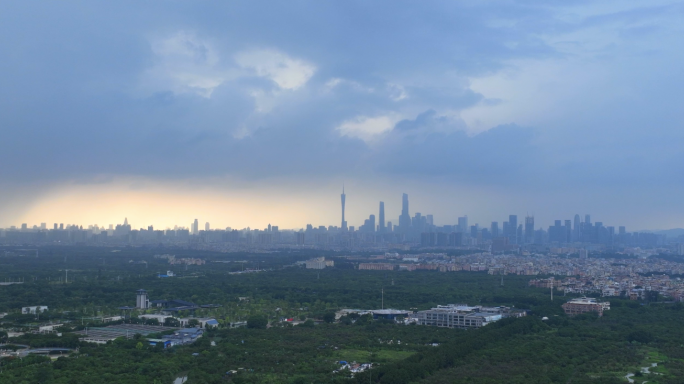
(611, 235)
(473, 231)
(495, 229)
(505, 229)
(529, 229)
(43, 226)
(513, 226)
(557, 232)
(405, 218)
(463, 224)
(61, 226)
(418, 222)
(389, 227)
(576, 228)
(622, 230)
(343, 197)
(519, 233)
(195, 227)
(206, 226)
(587, 219)
(381, 217)
(269, 227)
(371, 222)
(55, 226)
(24, 226)
(429, 220)
(568, 231)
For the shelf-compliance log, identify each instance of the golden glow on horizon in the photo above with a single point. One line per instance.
(167, 205)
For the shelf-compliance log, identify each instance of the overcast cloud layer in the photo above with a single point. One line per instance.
(542, 103)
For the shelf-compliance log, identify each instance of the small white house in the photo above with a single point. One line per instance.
(48, 328)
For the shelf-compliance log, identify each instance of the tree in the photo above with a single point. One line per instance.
(640, 336)
(307, 324)
(329, 317)
(257, 322)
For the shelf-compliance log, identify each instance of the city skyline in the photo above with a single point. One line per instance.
(470, 108)
(402, 223)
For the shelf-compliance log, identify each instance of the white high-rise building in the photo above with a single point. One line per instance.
(141, 301)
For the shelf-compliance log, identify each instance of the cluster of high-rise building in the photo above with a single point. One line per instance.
(376, 231)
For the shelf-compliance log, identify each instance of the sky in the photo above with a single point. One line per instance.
(246, 113)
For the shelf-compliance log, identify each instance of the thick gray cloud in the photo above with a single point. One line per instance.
(522, 94)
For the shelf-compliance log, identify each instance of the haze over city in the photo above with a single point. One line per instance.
(246, 114)
(342, 192)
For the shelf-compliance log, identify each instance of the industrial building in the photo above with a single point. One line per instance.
(585, 305)
(101, 335)
(390, 314)
(463, 316)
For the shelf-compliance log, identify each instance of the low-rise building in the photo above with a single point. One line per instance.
(33, 310)
(376, 266)
(460, 316)
(203, 322)
(47, 328)
(183, 336)
(319, 263)
(389, 314)
(585, 305)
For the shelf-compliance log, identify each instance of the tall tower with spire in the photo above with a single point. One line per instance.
(344, 222)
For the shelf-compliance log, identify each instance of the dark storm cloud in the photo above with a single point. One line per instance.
(161, 91)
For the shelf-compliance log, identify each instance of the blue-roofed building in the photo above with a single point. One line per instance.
(184, 336)
(165, 343)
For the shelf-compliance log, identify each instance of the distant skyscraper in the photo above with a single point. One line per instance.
(430, 220)
(195, 227)
(513, 227)
(495, 229)
(206, 226)
(463, 224)
(405, 218)
(587, 219)
(568, 231)
(529, 229)
(576, 228)
(381, 217)
(344, 198)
